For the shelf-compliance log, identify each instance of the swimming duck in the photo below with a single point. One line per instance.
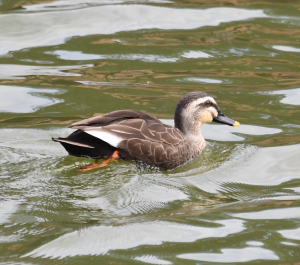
(135, 135)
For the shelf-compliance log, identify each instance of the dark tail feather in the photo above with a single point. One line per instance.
(82, 144)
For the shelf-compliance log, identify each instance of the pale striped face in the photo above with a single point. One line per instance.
(205, 99)
(203, 109)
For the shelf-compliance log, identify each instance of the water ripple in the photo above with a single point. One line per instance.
(98, 240)
(33, 30)
(233, 255)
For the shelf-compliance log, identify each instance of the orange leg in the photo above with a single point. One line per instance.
(113, 157)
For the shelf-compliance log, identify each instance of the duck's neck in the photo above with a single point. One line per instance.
(192, 131)
(196, 138)
(196, 141)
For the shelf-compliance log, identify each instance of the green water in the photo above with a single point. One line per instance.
(64, 61)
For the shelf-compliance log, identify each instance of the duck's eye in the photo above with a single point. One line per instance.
(208, 103)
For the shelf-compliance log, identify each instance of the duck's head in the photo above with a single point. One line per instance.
(197, 108)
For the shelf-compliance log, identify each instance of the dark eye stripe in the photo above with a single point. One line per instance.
(211, 105)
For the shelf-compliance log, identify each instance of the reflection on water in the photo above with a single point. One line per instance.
(109, 84)
(291, 233)
(19, 71)
(233, 255)
(236, 203)
(201, 80)
(249, 166)
(291, 96)
(101, 239)
(25, 99)
(66, 55)
(32, 30)
(6, 209)
(152, 260)
(64, 5)
(255, 243)
(286, 48)
(288, 243)
(283, 213)
(196, 54)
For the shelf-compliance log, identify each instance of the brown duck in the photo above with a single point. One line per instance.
(138, 136)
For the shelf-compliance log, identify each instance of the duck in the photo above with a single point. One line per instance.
(138, 136)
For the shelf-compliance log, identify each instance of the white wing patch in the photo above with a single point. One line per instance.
(106, 136)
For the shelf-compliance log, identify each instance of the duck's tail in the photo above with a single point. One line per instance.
(82, 144)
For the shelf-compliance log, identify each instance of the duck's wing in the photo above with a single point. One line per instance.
(113, 117)
(80, 143)
(159, 146)
(137, 135)
(120, 130)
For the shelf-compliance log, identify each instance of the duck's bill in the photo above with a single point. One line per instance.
(221, 118)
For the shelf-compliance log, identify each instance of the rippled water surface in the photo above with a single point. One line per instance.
(66, 60)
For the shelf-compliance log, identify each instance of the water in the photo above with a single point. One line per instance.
(64, 61)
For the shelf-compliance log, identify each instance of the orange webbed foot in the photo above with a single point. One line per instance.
(113, 157)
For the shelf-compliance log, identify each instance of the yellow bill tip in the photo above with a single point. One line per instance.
(236, 124)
